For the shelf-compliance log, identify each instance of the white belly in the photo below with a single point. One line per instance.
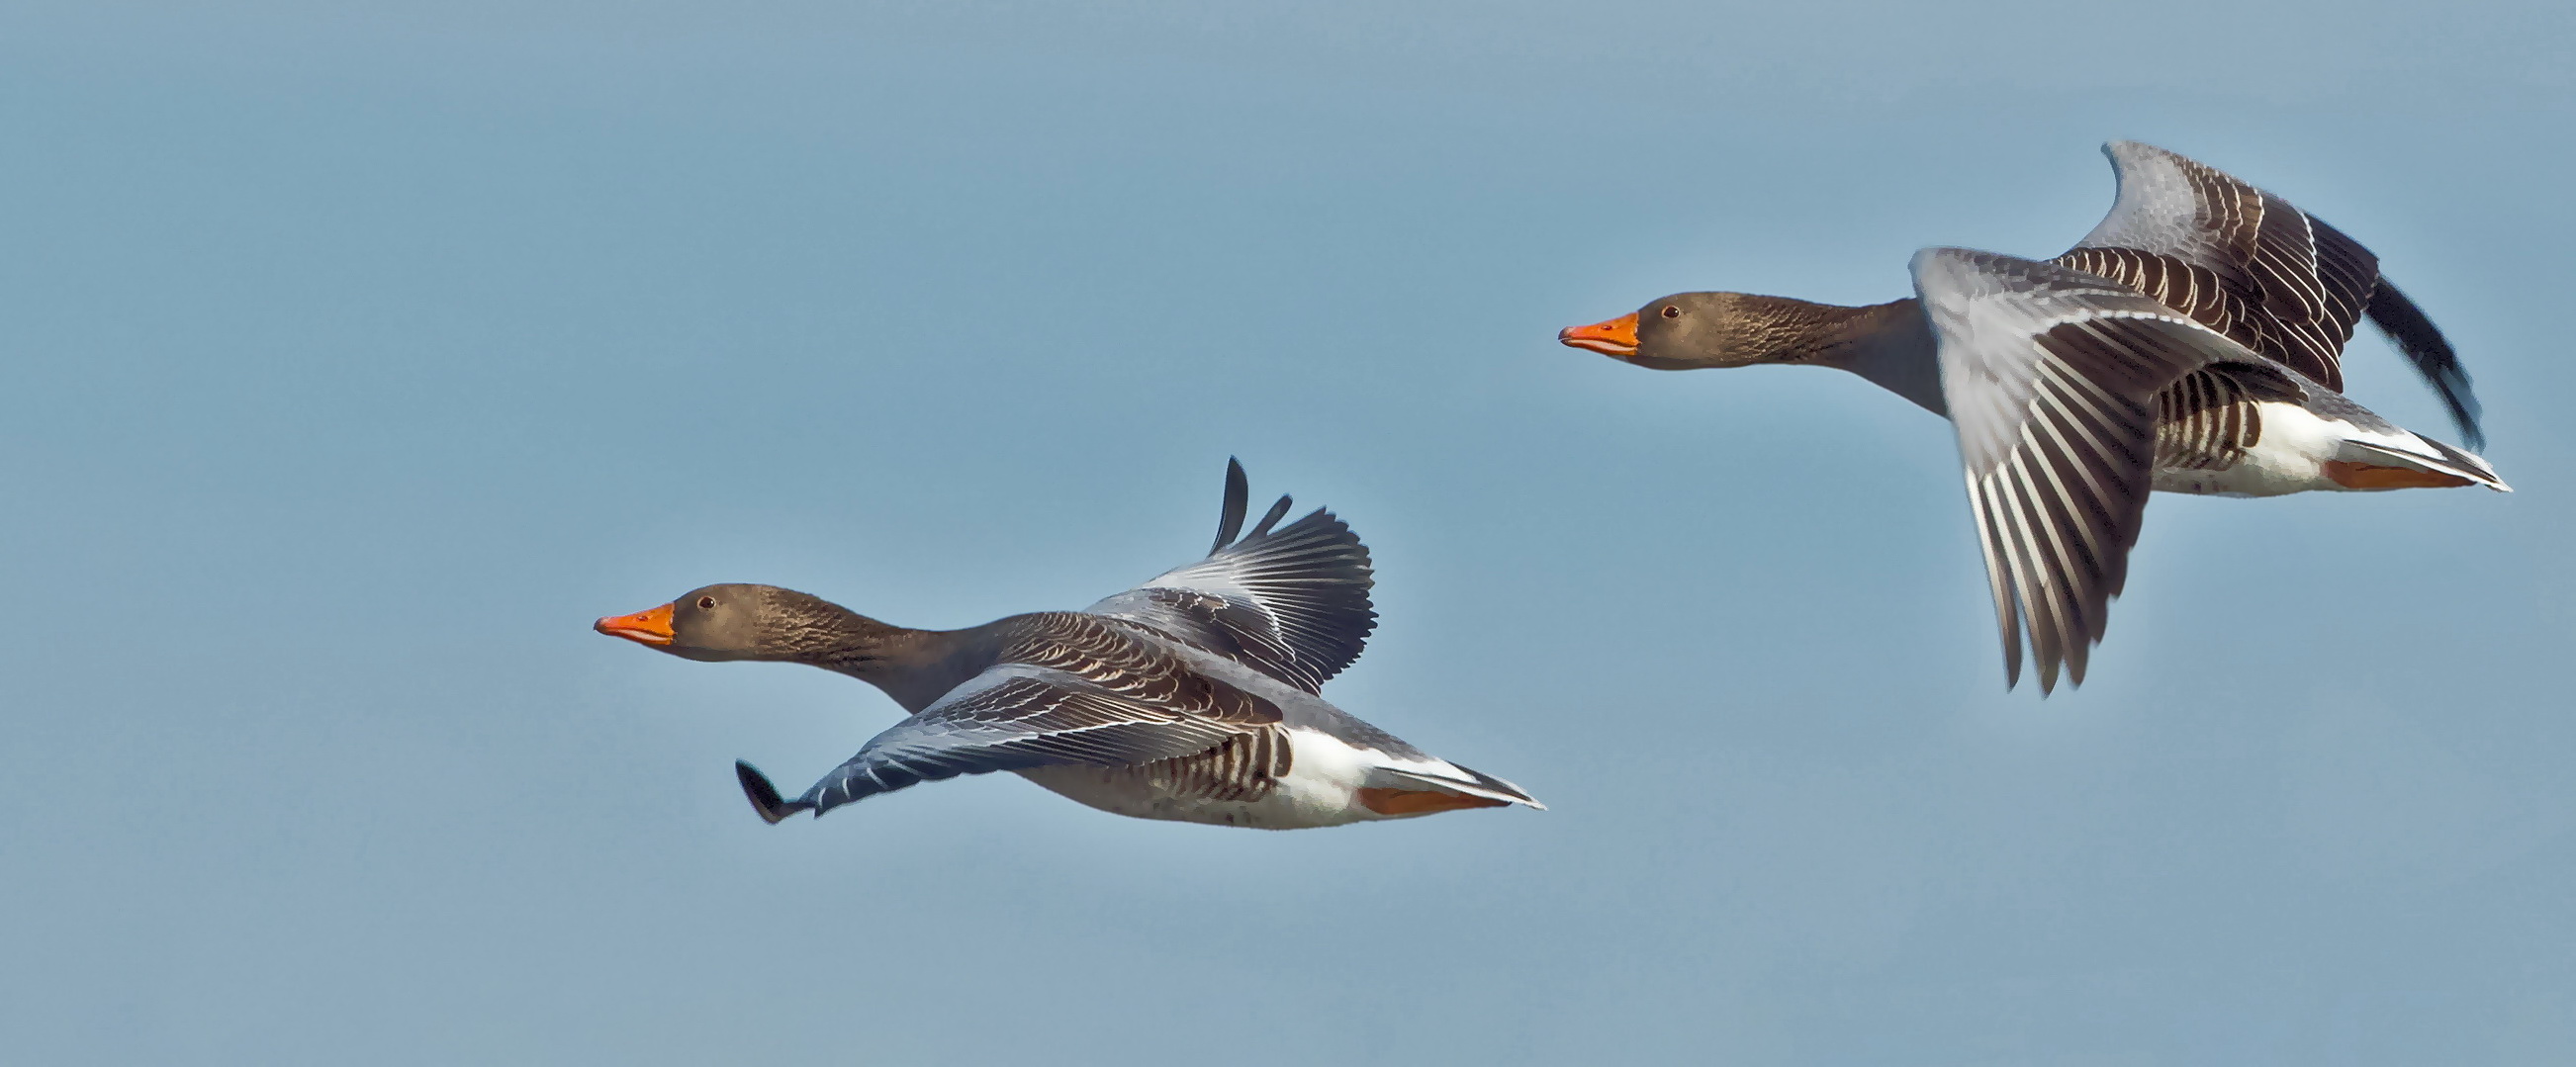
(2290, 457)
(1320, 789)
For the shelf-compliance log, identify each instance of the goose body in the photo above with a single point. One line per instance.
(1193, 697)
(1338, 770)
(2318, 445)
(2191, 343)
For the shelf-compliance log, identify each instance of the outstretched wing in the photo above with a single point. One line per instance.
(1017, 716)
(2051, 378)
(2251, 266)
(1291, 602)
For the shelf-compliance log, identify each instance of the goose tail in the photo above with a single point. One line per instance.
(2391, 465)
(1450, 778)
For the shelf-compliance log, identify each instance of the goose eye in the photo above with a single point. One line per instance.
(1672, 312)
(706, 602)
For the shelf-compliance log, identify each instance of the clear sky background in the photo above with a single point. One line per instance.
(353, 361)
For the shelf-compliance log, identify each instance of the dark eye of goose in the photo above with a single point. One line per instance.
(1672, 312)
(706, 602)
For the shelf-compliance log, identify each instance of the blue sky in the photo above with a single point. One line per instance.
(357, 360)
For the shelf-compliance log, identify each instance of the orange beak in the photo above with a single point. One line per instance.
(644, 627)
(1617, 337)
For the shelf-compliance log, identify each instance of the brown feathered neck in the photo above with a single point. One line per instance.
(1890, 344)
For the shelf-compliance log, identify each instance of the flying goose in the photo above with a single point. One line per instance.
(1191, 697)
(2191, 343)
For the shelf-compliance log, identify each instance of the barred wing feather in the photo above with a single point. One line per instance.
(1012, 717)
(2051, 377)
(2269, 276)
(1292, 602)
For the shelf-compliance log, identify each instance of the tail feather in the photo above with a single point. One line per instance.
(2473, 464)
(2439, 458)
(1474, 783)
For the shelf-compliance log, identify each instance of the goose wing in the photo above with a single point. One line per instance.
(2051, 376)
(2249, 265)
(1291, 602)
(1069, 690)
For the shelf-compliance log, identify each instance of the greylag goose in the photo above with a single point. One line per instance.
(1191, 697)
(2191, 343)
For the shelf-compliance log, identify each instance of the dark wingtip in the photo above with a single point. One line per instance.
(2452, 383)
(2050, 664)
(763, 796)
(1238, 495)
(2423, 345)
(2466, 412)
(1277, 512)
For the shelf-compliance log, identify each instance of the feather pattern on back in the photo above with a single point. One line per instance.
(2259, 271)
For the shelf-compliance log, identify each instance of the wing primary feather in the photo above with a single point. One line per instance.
(2096, 495)
(2012, 523)
(2041, 587)
(2423, 345)
(1998, 581)
(2070, 535)
(1238, 495)
(764, 796)
(1288, 600)
(2071, 557)
(1277, 512)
